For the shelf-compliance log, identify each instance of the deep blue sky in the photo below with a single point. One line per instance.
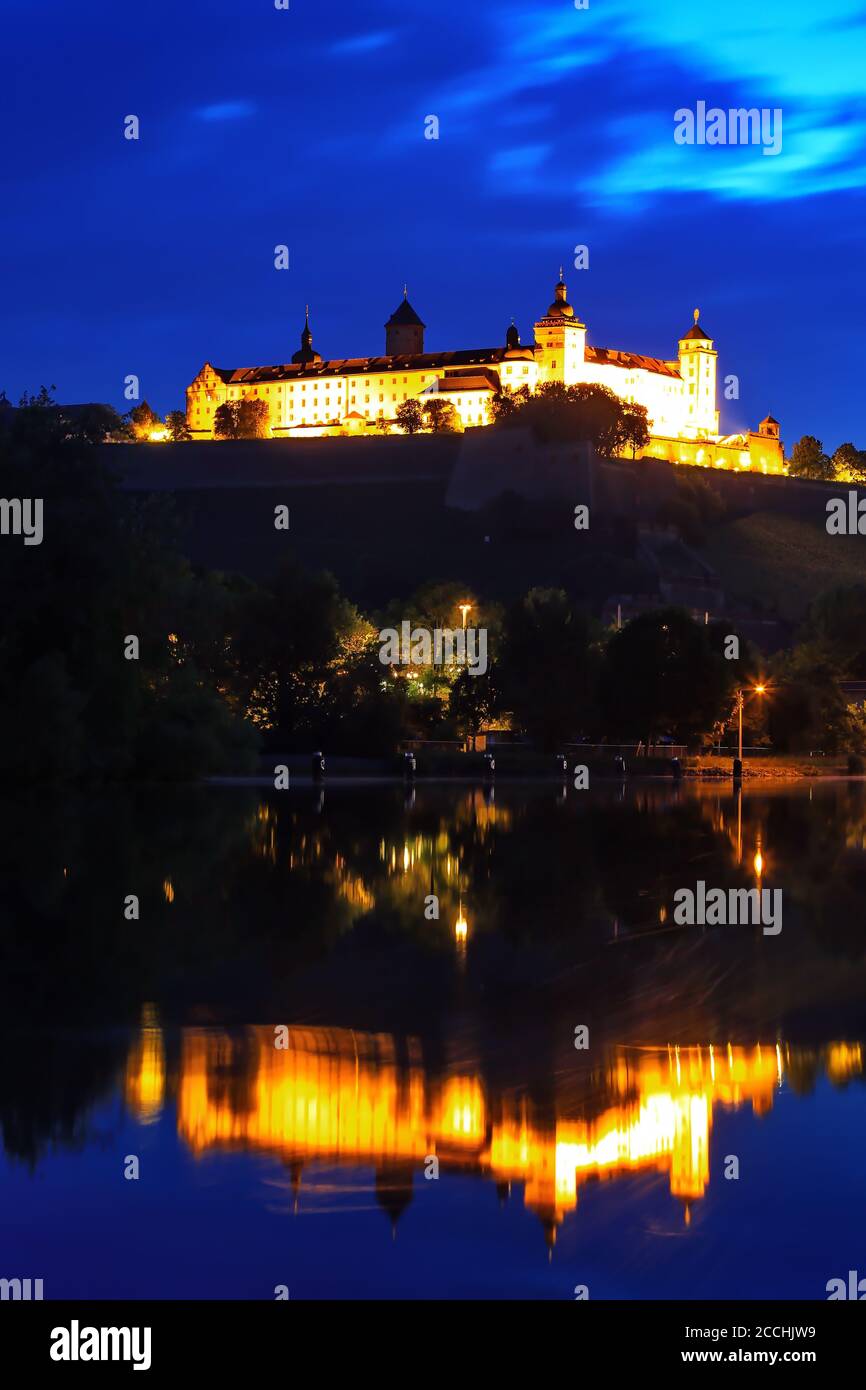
(306, 127)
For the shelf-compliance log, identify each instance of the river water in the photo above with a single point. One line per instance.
(243, 1053)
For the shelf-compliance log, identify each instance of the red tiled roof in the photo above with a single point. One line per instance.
(359, 366)
(481, 381)
(612, 357)
(426, 361)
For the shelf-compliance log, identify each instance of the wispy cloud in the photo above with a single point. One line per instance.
(364, 43)
(815, 159)
(785, 54)
(225, 111)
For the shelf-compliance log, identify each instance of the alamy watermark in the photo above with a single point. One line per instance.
(854, 1289)
(22, 516)
(846, 516)
(77, 1343)
(439, 646)
(732, 907)
(736, 126)
(21, 1290)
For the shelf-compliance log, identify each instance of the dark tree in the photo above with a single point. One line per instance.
(808, 460)
(441, 417)
(663, 675)
(580, 414)
(506, 403)
(253, 418)
(410, 417)
(143, 420)
(70, 703)
(246, 419)
(546, 667)
(177, 425)
(226, 423)
(849, 464)
(473, 700)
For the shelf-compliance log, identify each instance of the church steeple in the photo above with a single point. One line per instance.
(306, 354)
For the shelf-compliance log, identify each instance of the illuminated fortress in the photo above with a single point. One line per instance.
(314, 396)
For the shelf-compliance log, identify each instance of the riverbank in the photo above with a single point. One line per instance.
(510, 764)
(789, 767)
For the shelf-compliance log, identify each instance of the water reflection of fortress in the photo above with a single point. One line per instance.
(334, 1097)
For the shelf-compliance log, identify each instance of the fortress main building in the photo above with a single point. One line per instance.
(352, 395)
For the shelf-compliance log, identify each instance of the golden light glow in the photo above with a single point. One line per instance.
(333, 397)
(168, 890)
(145, 1070)
(461, 929)
(346, 1097)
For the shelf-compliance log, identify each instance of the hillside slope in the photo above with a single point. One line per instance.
(782, 562)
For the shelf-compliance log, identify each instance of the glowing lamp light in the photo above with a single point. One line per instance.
(461, 928)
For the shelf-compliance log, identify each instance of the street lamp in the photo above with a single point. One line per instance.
(464, 609)
(738, 761)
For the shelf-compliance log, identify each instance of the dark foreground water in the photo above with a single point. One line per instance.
(321, 1085)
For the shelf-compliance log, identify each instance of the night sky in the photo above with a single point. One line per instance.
(306, 127)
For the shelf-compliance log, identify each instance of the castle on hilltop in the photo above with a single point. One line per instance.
(312, 396)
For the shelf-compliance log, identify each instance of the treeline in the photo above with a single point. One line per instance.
(118, 659)
(847, 463)
(585, 413)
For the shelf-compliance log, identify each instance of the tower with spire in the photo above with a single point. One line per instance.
(404, 331)
(305, 356)
(561, 340)
(698, 370)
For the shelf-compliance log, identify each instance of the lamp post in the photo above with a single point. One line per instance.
(738, 761)
(465, 608)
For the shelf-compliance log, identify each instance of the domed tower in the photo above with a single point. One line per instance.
(512, 338)
(404, 331)
(560, 308)
(561, 339)
(305, 355)
(698, 371)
